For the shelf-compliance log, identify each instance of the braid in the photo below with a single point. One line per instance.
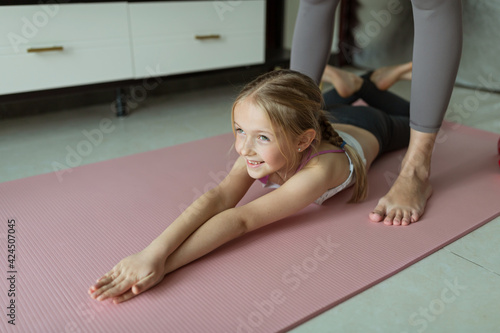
(329, 134)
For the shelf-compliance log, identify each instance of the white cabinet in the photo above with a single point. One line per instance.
(189, 36)
(56, 45)
(44, 47)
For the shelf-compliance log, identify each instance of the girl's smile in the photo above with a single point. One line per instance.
(254, 164)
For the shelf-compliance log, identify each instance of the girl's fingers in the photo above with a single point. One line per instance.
(96, 291)
(119, 288)
(103, 281)
(138, 288)
(100, 294)
(125, 297)
(143, 284)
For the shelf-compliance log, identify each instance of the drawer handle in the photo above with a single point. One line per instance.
(44, 49)
(203, 37)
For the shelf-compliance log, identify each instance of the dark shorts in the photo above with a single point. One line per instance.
(392, 132)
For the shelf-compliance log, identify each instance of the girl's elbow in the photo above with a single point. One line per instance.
(239, 221)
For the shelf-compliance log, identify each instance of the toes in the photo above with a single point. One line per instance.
(394, 215)
(406, 218)
(398, 217)
(389, 219)
(377, 215)
(415, 216)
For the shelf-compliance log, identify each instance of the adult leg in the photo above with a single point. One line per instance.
(437, 49)
(312, 37)
(436, 56)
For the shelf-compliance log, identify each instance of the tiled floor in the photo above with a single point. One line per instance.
(452, 290)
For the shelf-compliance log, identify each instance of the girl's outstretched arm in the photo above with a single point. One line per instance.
(143, 270)
(297, 193)
(226, 195)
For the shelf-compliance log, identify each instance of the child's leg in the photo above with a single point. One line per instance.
(345, 83)
(333, 99)
(381, 99)
(349, 87)
(385, 77)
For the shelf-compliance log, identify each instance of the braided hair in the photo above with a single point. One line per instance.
(329, 134)
(293, 102)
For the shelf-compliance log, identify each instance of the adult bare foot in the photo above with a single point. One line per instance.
(404, 203)
(406, 200)
(385, 77)
(346, 83)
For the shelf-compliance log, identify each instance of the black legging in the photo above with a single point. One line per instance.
(386, 117)
(436, 52)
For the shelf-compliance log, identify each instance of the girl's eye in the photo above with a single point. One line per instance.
(239, 131)
(264, 138)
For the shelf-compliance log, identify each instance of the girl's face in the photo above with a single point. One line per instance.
(256, 141)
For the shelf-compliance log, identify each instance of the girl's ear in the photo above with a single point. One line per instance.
(306, 139)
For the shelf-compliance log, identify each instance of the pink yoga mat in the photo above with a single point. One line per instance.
(71, 229)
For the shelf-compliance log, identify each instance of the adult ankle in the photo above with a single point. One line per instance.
(412, 169)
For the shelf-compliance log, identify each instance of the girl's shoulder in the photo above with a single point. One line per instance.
(331, 161)
(326, 155)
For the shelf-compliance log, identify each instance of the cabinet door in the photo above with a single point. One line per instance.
(60, 45)
(181, 37)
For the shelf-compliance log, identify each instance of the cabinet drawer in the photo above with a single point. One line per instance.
(23, 26)
(76, 65)
(182, 37)
(91, 41)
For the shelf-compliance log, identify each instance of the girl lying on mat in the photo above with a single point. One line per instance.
(285, 141)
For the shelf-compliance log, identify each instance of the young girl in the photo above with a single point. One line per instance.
(284, 140)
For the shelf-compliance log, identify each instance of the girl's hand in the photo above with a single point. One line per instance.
(130, 277)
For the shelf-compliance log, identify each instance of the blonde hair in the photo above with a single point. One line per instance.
(293, 104)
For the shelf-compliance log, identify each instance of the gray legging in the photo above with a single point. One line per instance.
(437, 49)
